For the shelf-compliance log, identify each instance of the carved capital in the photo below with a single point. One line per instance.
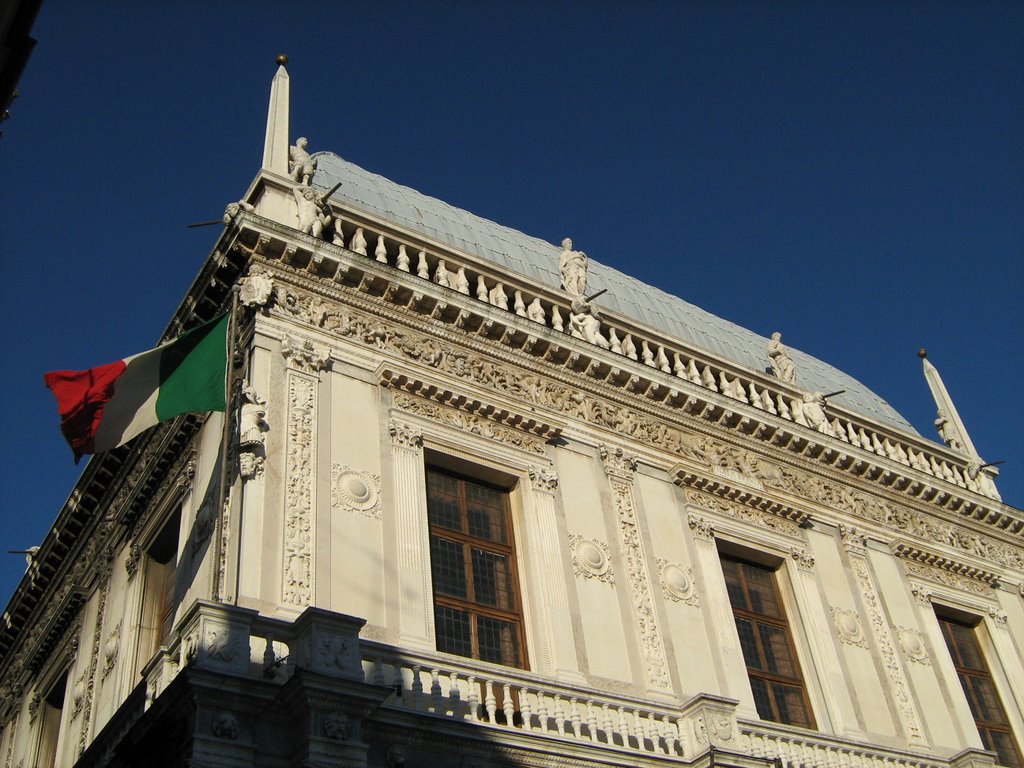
(802, 558)
(617, 463)
(998, 617)
(702, 529)
(250, 465)
(921, 593)
(405, 435)
(853, 540)
(131, 563)
(303, 355)
(544, 479)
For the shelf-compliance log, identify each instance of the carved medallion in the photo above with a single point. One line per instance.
(590, 559)
(355, 490)
(677, 583)
(848, 627)
(912, 643)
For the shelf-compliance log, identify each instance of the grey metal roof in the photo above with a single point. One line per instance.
(538, 259)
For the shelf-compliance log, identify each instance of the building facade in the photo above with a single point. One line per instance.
(490, 503)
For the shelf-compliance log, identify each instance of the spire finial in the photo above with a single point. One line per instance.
(275, 146)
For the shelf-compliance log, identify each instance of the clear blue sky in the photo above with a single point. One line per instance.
(850, 173)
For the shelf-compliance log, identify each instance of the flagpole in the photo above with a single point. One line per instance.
(225, 442)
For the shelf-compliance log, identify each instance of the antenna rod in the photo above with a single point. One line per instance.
(595, 295)
(205, 223)
(834, 394)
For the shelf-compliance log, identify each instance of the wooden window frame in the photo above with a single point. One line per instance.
(983, 673)
(770, 678)
(470, 542)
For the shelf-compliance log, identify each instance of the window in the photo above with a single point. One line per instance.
(477, 611)
(778, 686)
(988, 712)
(49, 729)
(161, 598)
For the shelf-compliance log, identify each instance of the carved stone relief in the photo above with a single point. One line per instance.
(677, 583)
(355, 490)
(619, 467)
(948, 578)
(701, 528)
(912, 643)
(590, 559)
(224, 725)
(336, 726)
(299, 490)
(303, 355)
(544, 479)
(111, 648)
(405, 435)
(256, 289)
(848, 627)
(802, 558)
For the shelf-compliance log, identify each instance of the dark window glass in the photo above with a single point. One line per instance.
(976, 680)
(472, 559)
(775, 678)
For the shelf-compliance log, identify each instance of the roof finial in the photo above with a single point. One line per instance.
(275, 147)
(951, 429)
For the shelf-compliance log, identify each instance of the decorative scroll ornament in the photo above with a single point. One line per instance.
(111, 649)
(355, 490)
(590, 559)
(912, 643)
(298, 530)
(848, 627)
(853, 540)
(303, 355)
(802, 558)
(677, 583)
(617, 463)
(131, 563)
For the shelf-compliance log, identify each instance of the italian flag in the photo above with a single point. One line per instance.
(104, 407)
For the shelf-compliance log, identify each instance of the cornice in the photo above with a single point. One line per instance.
(909, 551)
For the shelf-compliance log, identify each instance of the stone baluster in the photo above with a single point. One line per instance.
(559, 715)
(623, 727)
(669, 734)
(462, 282)
(525, 709)
(653, 732)
(591, 720)
(508, 707)
(613, 341)
(542, 711)
(402, 262)
(490, 703)
(782, 409)
(441, 274)
(606, 723)
(556, 319)
(629, 348)
(435, 692)
(662, 361)
(473, 698)
(380, 253)
(646, 354)
(422, 268)
(640, 727)
(481, 288)
(707, 378)
(417, 687)
(454, 692)
(574, 717)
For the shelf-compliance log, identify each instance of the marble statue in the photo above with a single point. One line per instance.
(301, 165)
(585, 323)
(781, 362)
(252, 426)
(813, 408)
(572, 266)
(314, 213)
(947, 431)
(233, 210)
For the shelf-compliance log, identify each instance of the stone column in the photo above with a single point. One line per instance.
(557, 654)
(619, 468)
(305, 361)
(856, 551)
(824, 658)
(1006, 655)
(735, 683)
(415, 589)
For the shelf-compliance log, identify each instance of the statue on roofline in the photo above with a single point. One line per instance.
(301, 166)
(572, 266)
(781, 362)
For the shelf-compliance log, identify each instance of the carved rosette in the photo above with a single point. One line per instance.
(890, 660)
(619, 468)
(543, 479)
(355, 490)
(848, 627)
(300, 490)
(405, 435)
(677, 583)
(912, 643)
(590, 559)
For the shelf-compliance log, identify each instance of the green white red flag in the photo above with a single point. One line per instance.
(104, 407)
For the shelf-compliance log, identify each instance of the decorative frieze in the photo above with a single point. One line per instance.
(590, 559)
(355, 490)
(467, 422)
(619, 467)
(739, 511)
(948, 578)
(848, 627)
(935, 561)
(677, 583)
